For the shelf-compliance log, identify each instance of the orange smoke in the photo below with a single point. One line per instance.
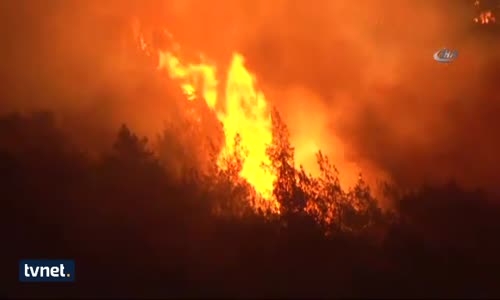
(364, 80)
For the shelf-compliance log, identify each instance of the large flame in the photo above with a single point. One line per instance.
(245, 112)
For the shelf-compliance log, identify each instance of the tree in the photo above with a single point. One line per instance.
(281, 154)
(129, 146)
(233, 193)
(362, 209)
(331, 196)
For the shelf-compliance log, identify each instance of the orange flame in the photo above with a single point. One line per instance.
(245, 113)
(194, 78)
(486, 17)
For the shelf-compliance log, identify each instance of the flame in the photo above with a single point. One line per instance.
(193, 77)
(486, 17)
(245, 113)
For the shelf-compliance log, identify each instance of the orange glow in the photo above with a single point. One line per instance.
(194, 78)
(245, 112)
(139, 38)
(486, 17)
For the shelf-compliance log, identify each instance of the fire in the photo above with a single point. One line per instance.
(247, 114)
(486, 17)
(244, 112)
(194, 78)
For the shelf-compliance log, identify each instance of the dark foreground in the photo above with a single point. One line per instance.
(135, 233)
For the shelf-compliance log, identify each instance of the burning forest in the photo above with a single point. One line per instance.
(251, 148)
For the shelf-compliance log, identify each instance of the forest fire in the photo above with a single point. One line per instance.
(242, 109)
(272, 149)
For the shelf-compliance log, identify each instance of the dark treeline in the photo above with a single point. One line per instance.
(134, 230)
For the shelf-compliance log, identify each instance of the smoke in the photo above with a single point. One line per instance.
(77, 58)
(356, 79)
(391, 106)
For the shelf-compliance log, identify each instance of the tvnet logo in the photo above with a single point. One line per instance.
(46, 270)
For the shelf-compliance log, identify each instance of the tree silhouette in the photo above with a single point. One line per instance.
(174, 237)
(281, 154)
(129, 147)
(234, 193)
(331, 197)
